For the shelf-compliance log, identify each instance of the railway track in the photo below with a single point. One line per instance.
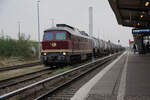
(14, 83)
(20, 66)
(45, 88)
(69, 88)
(10, 84)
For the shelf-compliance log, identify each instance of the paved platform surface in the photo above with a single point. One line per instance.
(128, 78)
(138, 77)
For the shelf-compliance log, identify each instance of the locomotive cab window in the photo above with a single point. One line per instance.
(60, 36)
(48, 36)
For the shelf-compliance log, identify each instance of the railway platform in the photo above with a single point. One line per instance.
(126, 78)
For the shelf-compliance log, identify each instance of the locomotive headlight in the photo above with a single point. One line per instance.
(44, 53)
(64, 53)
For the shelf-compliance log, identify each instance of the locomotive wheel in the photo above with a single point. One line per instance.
(71, 60)
(62, 65)
(45, 64)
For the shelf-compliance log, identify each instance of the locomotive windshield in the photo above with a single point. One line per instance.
(60, 36)
(48, 36)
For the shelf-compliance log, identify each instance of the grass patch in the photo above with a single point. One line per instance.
(14, 73)
(12, 61)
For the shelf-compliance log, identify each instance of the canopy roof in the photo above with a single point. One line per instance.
(132, 13)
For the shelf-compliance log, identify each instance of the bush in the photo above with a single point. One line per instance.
(15, 48)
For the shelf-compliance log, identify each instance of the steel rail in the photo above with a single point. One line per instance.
(17, 82)
(23, 75)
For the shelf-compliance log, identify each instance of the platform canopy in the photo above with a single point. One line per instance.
(132, 13)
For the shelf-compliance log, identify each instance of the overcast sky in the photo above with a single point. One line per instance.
(71, 12)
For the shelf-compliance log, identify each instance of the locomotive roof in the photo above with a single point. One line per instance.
(73, 31)
(76, 32)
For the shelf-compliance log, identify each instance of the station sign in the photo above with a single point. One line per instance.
(140, 31)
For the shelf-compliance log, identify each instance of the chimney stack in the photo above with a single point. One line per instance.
(90, 21)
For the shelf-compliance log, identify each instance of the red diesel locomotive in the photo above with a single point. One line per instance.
(64, 44)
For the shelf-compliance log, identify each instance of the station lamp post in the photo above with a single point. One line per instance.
(38, 17)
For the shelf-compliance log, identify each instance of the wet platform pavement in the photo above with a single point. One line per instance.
(127, 78)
